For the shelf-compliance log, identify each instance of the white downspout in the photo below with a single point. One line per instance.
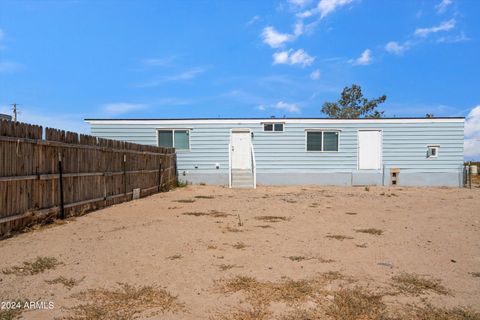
(230, 165)
(254, 164)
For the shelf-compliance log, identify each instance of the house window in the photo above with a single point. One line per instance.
(273, 127)
(432, 151)
(322, 141)
(178, 139)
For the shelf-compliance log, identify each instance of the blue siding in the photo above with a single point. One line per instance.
(404, 145)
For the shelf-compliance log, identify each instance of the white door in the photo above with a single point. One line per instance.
(240, 150)
(369, 150)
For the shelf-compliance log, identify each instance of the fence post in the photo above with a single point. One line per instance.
(176, 169)
(160, 175)
(60, 179)
(125, 175)
(470, 175)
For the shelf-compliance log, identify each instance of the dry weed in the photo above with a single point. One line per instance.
(288, 291)
(356, 304)
(338, 237)
(225, 267)
(39, 265)
(211, 213)
(175, 257)
(258, 312)
(124, 303)
(272, 218)
(232, 229)
(185, 200)
(298, 258)
(239, 245)
(415, 285)
(376, 232)
(264, 226)
(430, 312)
(69, 283)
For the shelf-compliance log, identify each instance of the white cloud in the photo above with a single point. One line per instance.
(302, 58)
(444, 26)
(289, 107)
(282, 106)
(274, 38)
(121, 108)
(10, 66)
(182, 76)
(396, 48)
(364, 59)
(299, 57)
(186, 75)
(454, 38)
(277, 39)
(472, 122)
(157, 62)
(280, 57)
(306, 14)
(472, 133)
(299, 3)
(253, 20)
(315, 75)
(325, 7)
(442, 6)
(298, 29)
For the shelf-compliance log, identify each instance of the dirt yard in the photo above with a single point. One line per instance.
(205, 252)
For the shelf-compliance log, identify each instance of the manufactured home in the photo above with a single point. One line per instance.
(280, 151)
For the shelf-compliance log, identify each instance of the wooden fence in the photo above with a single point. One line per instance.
(81, 172)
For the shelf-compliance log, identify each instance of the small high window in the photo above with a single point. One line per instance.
(322, 141)
(432, 151)
(177, 138)
(273, 127)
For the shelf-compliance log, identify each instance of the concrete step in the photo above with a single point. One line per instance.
(243, 186)
(242, 178)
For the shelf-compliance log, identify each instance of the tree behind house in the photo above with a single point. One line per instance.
(353, 105)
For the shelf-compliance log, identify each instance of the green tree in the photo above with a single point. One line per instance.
(353, 105)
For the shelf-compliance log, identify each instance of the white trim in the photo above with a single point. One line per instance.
(254, 164)
(230, 165)
(240, 130)
(273, 128)
(323, 130)
(173, 137)
(433, 146)
(232, 130)
(259, 121)
(381, 150)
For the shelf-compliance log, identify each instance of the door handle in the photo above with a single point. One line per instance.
(233, 148)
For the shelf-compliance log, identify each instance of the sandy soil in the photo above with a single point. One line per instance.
(434, 233)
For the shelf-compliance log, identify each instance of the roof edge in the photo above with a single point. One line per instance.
(267, 119)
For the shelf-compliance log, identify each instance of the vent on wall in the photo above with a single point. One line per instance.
(394, 176)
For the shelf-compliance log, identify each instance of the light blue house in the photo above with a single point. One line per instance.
(247, 152)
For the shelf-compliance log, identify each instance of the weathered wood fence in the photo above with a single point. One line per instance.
(81, 172)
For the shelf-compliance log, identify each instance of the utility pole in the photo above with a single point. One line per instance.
(15, 111)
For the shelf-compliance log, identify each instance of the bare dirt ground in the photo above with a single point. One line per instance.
(204, 252)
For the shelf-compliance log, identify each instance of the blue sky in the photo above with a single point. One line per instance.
(63, 61)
